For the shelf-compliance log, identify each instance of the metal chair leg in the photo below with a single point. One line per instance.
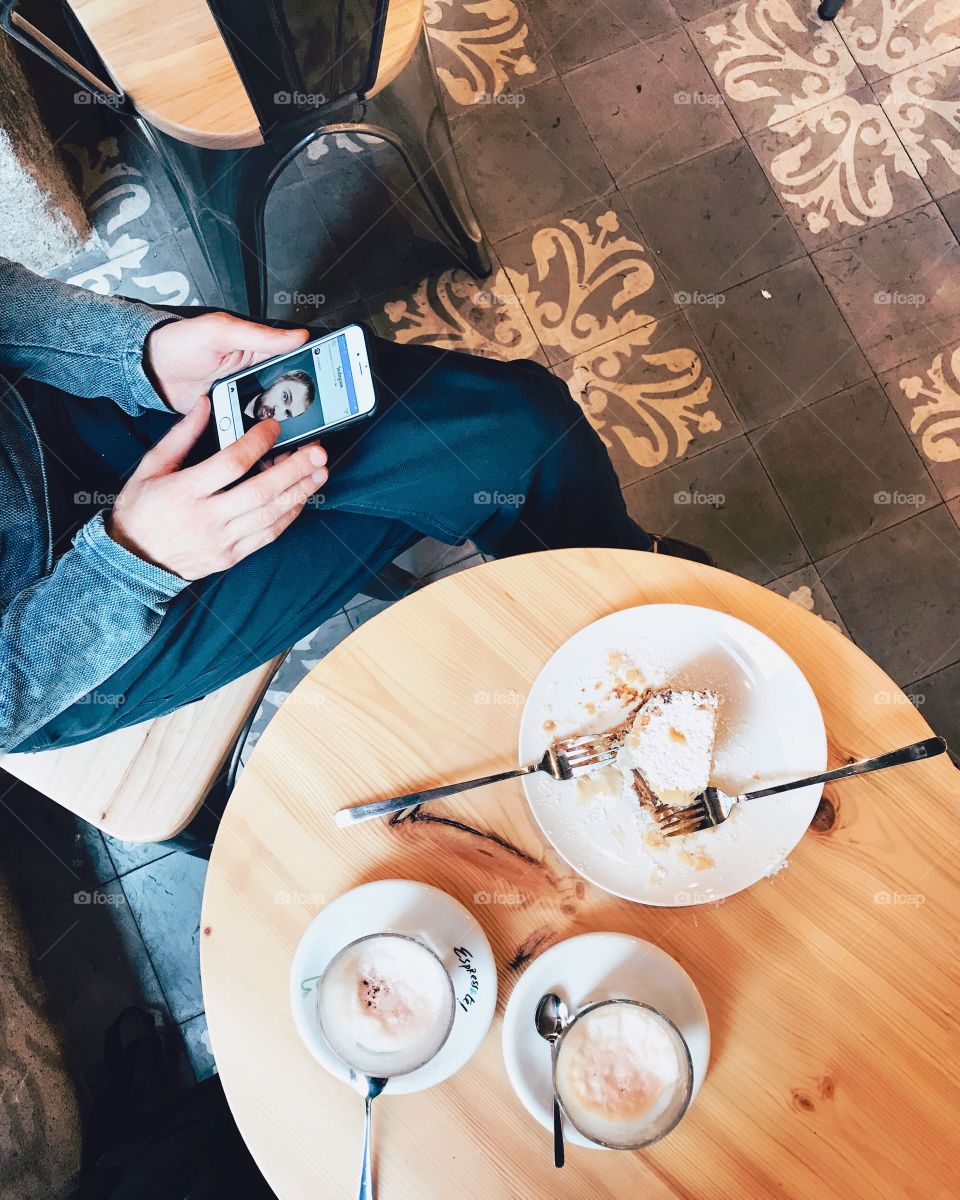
(224, 194)
(409, 114)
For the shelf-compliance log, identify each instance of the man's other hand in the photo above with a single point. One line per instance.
(183, 358)
(184, 520)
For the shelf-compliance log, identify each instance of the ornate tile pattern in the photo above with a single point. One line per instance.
(838, 168)
(924, 105)
(885, 36)
(773, 59)
(585, 280)
(455, 312)
(483, 49)
(651, 397)
(926, 394)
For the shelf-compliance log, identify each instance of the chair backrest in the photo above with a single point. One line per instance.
(297, 57)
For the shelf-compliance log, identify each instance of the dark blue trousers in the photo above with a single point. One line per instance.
(459, 448)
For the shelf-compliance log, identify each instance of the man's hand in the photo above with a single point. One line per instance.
(184, 522)
(183, 358)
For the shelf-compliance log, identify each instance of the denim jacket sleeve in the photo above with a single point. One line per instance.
(71, 630)
(75, 340)
(66, 632)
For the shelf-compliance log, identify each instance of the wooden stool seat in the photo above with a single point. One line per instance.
(145, 783)
(181, 77)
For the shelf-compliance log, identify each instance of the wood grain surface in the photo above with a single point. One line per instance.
(170, 56)
(831, 988)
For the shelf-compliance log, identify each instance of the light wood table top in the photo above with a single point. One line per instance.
(170, 57)
(833, 1013)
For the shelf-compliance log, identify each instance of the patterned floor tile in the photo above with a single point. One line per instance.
(805, 587)
(926, 394)
(452, 310)
(838, 168)
(577, 33)
(713, 222)
(165, 899)
(885, 36)
(844, 468)
(361, 613)
(924, 105)
(585, 278)
(778, 343)
(526, 161)
(429, 556)
(651, 397)
(773, 59)
(484, 51)
(953, 507)
(93, 965)
(906, 619)
(722, 500)
(898, 286)
(127, 856)
(650, 107)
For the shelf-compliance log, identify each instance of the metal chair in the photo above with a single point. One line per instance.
(228, 95)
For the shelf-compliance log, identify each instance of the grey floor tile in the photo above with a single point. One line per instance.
(127, 856)
(713, 222)
(650, 107)
(429, 556)
(196, 1040)
(724, 501)
(526, 161)
(365, 610)
(93, 964)
(777, 343)
(845, 468)
(897, 594)
(578, 34)
(165, 899)
(896, 286)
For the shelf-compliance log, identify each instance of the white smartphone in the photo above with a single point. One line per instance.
(325, 384)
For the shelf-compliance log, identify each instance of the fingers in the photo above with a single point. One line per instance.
(265, 516)
(234, 461)
(265, 534)
(256, 341)
(307, 465)
(168, 454)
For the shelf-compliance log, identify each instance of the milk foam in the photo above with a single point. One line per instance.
(618, 1071)
(385, 1005)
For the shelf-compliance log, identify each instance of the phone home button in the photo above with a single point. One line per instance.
(225, 423)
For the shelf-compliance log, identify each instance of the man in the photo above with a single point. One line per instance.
(288, 396)
(141, 568)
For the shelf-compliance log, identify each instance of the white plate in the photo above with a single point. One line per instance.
(401, 906)
(769, 728)
(596, 966)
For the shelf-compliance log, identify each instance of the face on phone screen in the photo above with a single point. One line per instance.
(305, 392)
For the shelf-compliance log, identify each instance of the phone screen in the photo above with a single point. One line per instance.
(305, 392)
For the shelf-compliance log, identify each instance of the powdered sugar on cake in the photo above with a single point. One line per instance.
(670, 746)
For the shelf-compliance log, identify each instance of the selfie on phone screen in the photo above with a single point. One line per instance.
(308, 390)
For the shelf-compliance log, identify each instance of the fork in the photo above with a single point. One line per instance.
(712, 807)
(565, 759)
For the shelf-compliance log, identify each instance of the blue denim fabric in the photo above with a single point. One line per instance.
(66, 625)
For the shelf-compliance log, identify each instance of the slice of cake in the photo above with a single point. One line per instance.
(669, 747)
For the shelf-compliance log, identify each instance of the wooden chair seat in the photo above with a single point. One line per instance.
(172, 61)
(147, 782)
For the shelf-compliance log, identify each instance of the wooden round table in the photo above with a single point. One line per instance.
(831, 988)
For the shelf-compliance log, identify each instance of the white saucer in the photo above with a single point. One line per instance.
(596, 966)
(769, 728)
(401, 906)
